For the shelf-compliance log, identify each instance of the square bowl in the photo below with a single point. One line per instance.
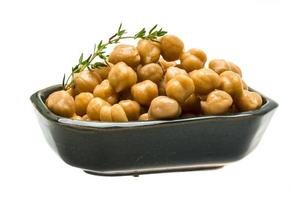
(139, 147)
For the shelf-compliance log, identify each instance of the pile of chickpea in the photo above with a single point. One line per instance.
(153, 81)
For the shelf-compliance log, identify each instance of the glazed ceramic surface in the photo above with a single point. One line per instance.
(133, 148)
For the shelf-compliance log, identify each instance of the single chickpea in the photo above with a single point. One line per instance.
(248, 101)
(205, 80)
(144, 92)
(113, 113)
(131, 108)
(61, 103)
(121, 77)
(85, 81)
(94, 107)
(149, 51)
(163, 107)
(180, 88)
(171, 47)
(125, 53)
(81, 102)
(144, 117)
(193, 59)
(231, 83)
(105, 91)
(217, 102)
(102, 71)
(174, 71)
(152, 72)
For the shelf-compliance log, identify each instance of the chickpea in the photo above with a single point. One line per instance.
(94, 107)
(61, 103)
(191, 104)
(180, 88)
(125, 53)
(121, 77)
(205, 80)
(113, 113)
(85, 81)
(171, 47)
(233, 67)
(248, 101)
(85, 118)
(220, 65)
(152, 72)
(231, 83)
(106, 92)
(76, 117)
(217, 102)
(149, 51)
(102, 71)
(193, 59)
(131, 108)
(144, 117)
(163, 107)
(174, 71)
(165, 64)
(81, 102)
(144, 92)
(245, 86)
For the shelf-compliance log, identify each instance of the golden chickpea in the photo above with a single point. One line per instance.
(105, 113)
(205, 80)
(191, 104)
(85, 118)
(217, 102)
(121, 77)
(218, 65)
(171, 47)
(144, 117)
(61, 103)
(94, 107)
(131, 108)
(149, 51)
(85, 81)
(76, 117)
(174, 71)
(193, 59)
(163, 107)
(144, 92)
(245, 86)
(248, 101)
(231, 83)
(81, 102)
(125, 53)
(102, 71)
(233, 67)
(106, 92)
(113, 113)
(152, 72)
(180, 88)
(165, 64)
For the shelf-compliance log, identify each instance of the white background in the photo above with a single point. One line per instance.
(40, 40)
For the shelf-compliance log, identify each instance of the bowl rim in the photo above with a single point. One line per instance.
(40, 106)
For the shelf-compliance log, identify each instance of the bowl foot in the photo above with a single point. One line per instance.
(136, 173)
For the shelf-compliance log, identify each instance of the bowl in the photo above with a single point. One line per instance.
(139, 147)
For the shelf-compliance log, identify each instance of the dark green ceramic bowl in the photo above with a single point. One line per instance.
(133, 148)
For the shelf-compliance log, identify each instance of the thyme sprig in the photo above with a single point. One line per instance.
(100, 51)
